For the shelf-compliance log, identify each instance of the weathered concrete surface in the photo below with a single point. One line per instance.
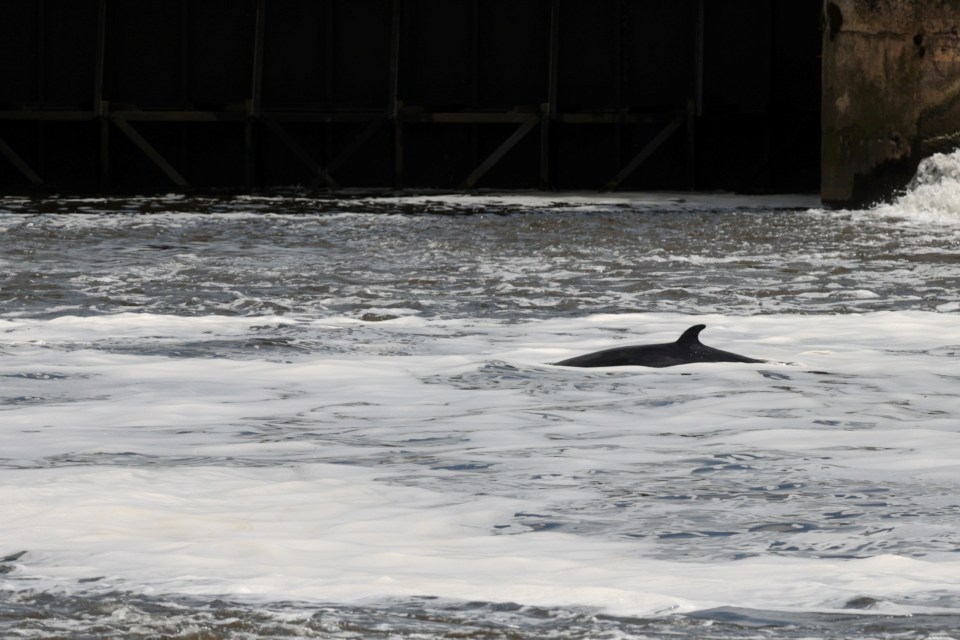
(891, 93)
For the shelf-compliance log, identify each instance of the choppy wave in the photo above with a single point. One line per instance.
(290, 417)
(507, 261)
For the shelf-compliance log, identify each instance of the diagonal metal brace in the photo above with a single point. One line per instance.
(368, 132)
(20, 164)
(149, 150)
(645, 153)
(302, 154)
(501, 151)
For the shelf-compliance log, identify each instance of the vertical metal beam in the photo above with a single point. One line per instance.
(41, 162)
(329, 18)
(475, 54)
(256, 95)
(249, 153)
(105, 176)
(99, 104)
(394, 71)
(554, 57)
(185, 77)
(41, 78)
(393, 95)
(41, 48)
(770, 109)
(474, 62)
(399, 170)
(700, 19)
(695, 103)
(257, 80)
(100, 58)
(184, 53)
(623, 37)
(692, 179)
(550, 106)
(619, 82)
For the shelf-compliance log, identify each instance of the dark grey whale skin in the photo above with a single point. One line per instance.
(686, 350)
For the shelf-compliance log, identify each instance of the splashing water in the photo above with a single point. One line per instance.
(933, 196)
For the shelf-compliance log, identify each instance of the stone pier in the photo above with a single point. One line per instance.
(891, 94)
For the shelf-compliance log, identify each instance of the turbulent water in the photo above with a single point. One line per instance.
(297, 417)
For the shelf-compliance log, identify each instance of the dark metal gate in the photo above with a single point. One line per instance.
(120, 95)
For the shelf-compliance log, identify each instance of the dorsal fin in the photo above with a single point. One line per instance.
(690, 336)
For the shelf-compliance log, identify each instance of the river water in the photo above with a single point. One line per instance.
(297, 417)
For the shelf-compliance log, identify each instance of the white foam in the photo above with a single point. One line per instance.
(933, 196)
(481, 472)
(334, 533)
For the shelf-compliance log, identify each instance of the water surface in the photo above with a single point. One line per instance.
(286, 416)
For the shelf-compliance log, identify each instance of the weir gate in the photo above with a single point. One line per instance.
(165, 95)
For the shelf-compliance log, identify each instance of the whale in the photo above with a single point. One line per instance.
(686, 350)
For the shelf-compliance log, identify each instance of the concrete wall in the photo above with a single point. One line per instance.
(891, 93)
